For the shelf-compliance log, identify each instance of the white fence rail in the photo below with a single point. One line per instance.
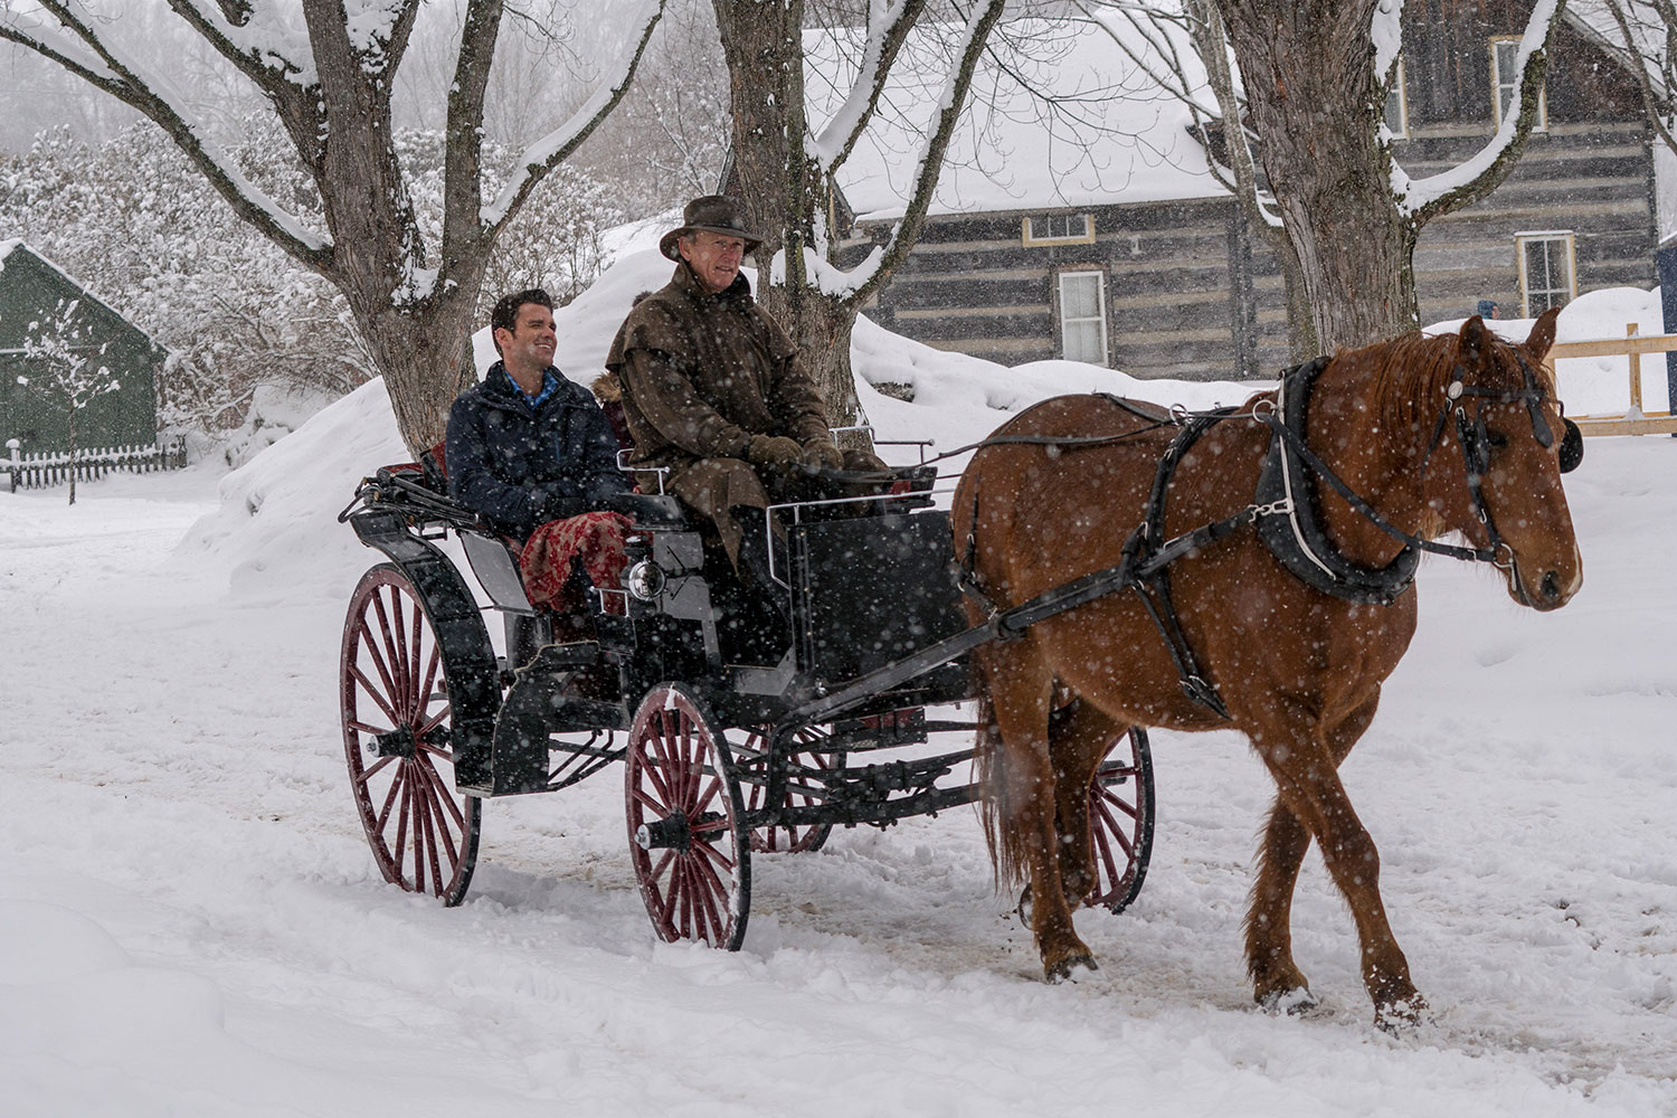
(37, 471)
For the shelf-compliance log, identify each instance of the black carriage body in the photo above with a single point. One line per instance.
(781, 738)
(867, 592)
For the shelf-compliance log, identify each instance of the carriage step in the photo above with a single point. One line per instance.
(586, 714)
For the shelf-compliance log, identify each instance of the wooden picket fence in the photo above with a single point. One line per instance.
(1635, 421)
(38, 471)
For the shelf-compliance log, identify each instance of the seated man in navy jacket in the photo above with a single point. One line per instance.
(532, 453)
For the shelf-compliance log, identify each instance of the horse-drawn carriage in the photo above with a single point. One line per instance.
(739, 735)
(1106, 565)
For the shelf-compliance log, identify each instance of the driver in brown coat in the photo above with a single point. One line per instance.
(713, 390)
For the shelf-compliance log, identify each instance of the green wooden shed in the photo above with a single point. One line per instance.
(33, 290)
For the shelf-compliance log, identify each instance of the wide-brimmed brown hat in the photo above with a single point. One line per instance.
(714, 213)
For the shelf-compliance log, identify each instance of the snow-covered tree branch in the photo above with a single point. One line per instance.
(327, 75)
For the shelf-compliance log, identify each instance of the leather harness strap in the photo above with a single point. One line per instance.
(1284, 510)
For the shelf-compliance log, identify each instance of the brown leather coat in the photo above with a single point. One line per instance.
(703, 373)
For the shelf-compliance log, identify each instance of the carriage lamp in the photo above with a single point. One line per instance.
(645, 580)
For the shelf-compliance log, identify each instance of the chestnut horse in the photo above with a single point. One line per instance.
(1433, 435)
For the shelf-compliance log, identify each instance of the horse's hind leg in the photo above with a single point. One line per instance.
(1024, 794)
(1079, 736)
(1277, 982)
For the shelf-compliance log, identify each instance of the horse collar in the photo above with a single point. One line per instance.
(1293, 531)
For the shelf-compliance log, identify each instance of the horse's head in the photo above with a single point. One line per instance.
(1500, 420)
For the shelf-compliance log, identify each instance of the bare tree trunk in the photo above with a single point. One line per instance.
(784, 192)
(787, 190)
(73, 410)
(1309, 74)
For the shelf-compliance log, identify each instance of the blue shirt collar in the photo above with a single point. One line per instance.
(550, 385)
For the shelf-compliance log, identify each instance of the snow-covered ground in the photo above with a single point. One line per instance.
(191, 923)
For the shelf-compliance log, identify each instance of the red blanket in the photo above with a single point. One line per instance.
(555, 551)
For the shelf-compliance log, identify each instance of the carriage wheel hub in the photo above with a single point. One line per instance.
(670, 832)
(397, 743)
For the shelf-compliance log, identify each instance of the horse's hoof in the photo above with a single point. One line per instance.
(1066, 969)
(1402, 1016)
(1295, 1002)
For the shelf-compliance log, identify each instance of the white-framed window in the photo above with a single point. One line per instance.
(1548, 271)
(1505, 71)
(1083, 316)
(1058, 229)
(1397, 104)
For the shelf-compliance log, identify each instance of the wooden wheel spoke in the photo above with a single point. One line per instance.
(713, 856)
(434, 720)
(391, 657)
(373, 770)
(662, 866)
(419, 827)
(1109, 801)
(366, 643)
(655, 772)
(373, 693)
(1103, 852)
(440, 795)
(428, 817)
(713, 925)
(702, 799)
(403, 659)
(654, 806)
(390, 796)
(402, 818)
(427, 686)
(1114, 828)
(423, 748)
(682, 882)
(413, 649)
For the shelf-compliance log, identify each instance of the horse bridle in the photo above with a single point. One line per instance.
(1476, 444)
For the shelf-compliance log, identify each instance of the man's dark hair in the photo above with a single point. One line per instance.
(505, 314)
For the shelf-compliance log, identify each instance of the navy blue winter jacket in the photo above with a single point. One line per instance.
(520, 466)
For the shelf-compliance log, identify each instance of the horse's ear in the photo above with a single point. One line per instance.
(1542, 334)
(1472, 341)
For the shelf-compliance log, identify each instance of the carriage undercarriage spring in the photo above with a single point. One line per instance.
(737, 737)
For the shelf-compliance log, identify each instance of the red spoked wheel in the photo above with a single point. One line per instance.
(753, 772)
(394, 693)
(689, 846)
(1121, 821)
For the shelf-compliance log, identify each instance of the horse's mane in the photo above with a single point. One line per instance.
(1411, 372)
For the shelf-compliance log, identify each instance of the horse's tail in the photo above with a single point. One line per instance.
(1008, 857)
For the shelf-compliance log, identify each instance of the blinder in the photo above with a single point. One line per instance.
(1572, 446)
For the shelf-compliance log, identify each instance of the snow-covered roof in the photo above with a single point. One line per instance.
(1120, 137)
(7, 247)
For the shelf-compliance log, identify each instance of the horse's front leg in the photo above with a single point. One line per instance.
(1021, 705)
(1305, 774)
(1277, 982)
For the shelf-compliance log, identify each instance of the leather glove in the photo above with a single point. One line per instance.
(821, 454)
(865, 461)
(549, 501)
(773, 451)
